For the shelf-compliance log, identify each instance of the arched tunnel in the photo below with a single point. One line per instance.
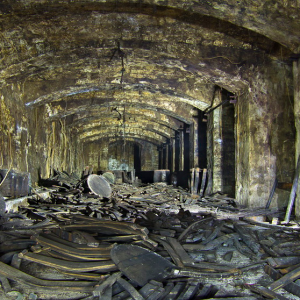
(144, 86)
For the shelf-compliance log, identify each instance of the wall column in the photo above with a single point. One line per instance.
(173, 154)
(217, 150)
(256, 166)
(214, 146)
(160, 157)
(181, 149)
(194, 144)
(264, 136)
(296, 78)
(166, 146)
(103, 156)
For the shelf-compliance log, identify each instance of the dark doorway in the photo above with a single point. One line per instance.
(137, 157)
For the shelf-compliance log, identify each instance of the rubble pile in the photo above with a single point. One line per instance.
(145, 242)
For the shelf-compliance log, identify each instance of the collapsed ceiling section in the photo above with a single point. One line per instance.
(135, 70)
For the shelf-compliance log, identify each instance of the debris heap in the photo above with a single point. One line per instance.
(145, 242)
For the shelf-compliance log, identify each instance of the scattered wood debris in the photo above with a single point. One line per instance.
(145, 242)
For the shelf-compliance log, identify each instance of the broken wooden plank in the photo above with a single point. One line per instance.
(176, 290)
(291, 287)
(16, 244)
(203, 182)
(247, 252)
(189, 291)
(192, 180)
(193, 226)
(283, 262)
(5, 284)
(130, 289)
(173, 254)
(72, 252)
(182, 254)
(168, 288)
(248, 238)
(218, 226)
(107, 283)
(99, 266)
(193, 273)
(295, 228)
(293, 193)
(217, 241)
(212, 267)
(102, 248)
(272, 193)
(286, 279)
(152, 290)
(19, 276)
(264, 291)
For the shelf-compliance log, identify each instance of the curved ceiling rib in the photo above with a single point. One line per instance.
(115, 91)
(84, 45)
(125, 129)
(105, 115)
(140, 134)
(240, 23)
(136, 139)
(128, 120)
(181, 111)
(143, 68)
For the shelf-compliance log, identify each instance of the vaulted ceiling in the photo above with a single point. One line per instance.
(143, 65)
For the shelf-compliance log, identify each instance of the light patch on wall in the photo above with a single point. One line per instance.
(114, 164)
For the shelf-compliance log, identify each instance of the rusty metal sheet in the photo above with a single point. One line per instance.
(139, 264)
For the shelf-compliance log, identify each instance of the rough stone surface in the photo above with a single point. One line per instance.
(77, 77)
